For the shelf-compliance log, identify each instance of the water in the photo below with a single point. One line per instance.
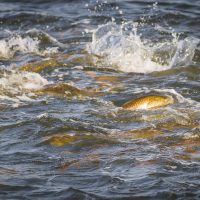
(66, 67)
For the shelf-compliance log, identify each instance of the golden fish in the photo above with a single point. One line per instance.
(148, 102)
(64, 89)
(40, 65)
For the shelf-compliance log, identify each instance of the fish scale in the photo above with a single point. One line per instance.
(148, 102)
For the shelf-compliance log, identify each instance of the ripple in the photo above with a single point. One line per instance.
(67, 67)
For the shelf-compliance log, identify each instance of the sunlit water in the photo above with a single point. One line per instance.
(66, 67)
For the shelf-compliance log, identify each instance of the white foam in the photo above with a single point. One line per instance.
(22, 80)
(16, 87)
(126, 51)
(10, 46)
(29, 42)
(190, 135)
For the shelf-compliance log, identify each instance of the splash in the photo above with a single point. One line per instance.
(33, 41)
(9, 47)
(184, 52)
(122, 47)
(16, 87)
(23, 80)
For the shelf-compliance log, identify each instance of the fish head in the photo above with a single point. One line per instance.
(168, 100)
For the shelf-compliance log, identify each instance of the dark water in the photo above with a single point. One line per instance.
(76, 142)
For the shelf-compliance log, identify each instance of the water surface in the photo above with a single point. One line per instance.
(66, 67)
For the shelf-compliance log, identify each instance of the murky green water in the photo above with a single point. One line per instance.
(66, 67)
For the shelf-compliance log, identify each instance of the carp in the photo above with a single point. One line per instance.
(148, 102)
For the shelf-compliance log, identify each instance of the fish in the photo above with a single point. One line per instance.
(64, 89)
(148, 102)
(38, 66)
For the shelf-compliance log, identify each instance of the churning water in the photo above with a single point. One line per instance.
(66, 67)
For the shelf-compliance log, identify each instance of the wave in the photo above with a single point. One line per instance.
(33, 41)
(16, 87)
